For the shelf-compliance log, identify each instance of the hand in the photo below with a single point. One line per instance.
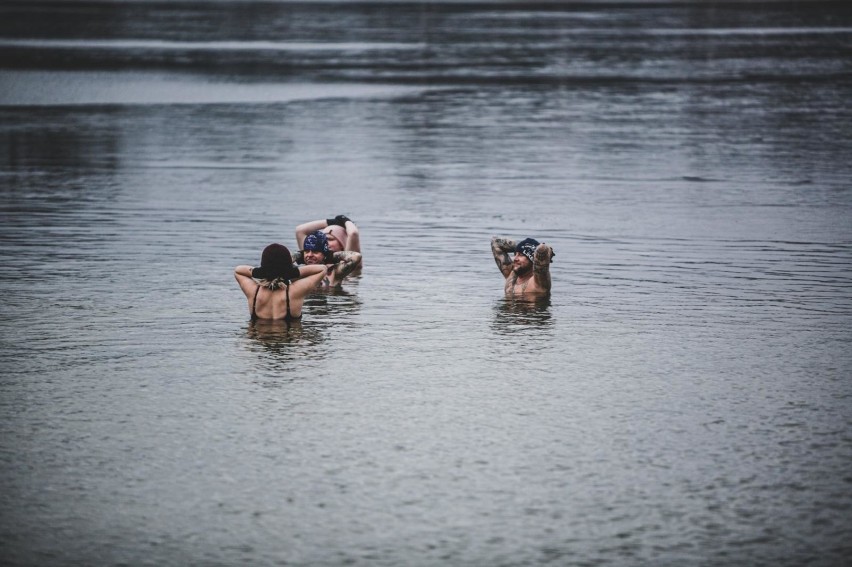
(543, 251)
(339, 220)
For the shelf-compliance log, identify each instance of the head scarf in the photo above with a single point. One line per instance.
(338, 232)
(276, 266)
(316, 241)
(527, 247)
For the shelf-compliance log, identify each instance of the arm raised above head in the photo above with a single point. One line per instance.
(500, 248)
(309, 277)
(353, 237)
(242, 274)
(243, 270)
(541, 266)
(304, 229)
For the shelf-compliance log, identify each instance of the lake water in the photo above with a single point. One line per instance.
(684, 397)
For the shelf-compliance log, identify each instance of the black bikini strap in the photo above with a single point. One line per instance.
(254, 303)
(287, 288)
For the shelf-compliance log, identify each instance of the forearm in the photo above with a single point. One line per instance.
(312, 269)
(303, 230)
(346, 263)
(353, 242)
(500, 245)
(243, 270)
(541, 265)
(500, 248)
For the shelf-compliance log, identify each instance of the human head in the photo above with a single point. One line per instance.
(315, 248)
(524, 254)
(276, 262)
(336, 237)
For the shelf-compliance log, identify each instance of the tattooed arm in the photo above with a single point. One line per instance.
(541, 266)
(345, 264)
(501, 247)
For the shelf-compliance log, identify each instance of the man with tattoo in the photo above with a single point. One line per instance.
(528, 273)
(316, 250)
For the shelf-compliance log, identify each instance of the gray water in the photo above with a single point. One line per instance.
(683, 397)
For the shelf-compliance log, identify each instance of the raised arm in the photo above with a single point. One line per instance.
(309, 277)
(353, 242)
(303, 230)
(345, 264)
(501, 247)
(541, 266)
(243, 275)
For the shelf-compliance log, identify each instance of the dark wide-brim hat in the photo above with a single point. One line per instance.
(276, 262)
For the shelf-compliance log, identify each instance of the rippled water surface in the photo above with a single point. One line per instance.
(682, 398)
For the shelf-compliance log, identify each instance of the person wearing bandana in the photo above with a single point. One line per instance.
(342, 233)
(316, 250)
(528, 273)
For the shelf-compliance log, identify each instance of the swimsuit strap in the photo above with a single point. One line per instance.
(254, 316)
(254, 304)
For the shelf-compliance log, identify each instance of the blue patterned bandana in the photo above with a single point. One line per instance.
(316, 241)
(527, 247)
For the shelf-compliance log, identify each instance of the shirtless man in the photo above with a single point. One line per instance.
(316, 250)
(528, 273)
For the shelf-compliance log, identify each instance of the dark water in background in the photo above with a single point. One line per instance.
(682, 399)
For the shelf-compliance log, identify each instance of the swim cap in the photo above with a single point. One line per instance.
(527, 247)
(338, 232)
(316, 241)
(276, 262)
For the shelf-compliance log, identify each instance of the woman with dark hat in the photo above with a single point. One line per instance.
(281, 287)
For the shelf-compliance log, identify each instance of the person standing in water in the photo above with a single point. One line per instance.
(316, 250)
(528, 273)
(282, 287)
(343, 234)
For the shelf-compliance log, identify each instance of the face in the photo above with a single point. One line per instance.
(521, 264)
(333, 243)
(313, 257)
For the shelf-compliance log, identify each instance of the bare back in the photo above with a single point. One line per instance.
(264, 303)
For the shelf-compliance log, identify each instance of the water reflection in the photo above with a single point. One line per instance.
(512, 315)
(332, 302)
(286, 340)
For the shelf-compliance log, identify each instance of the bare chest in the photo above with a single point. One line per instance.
(520, 286)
